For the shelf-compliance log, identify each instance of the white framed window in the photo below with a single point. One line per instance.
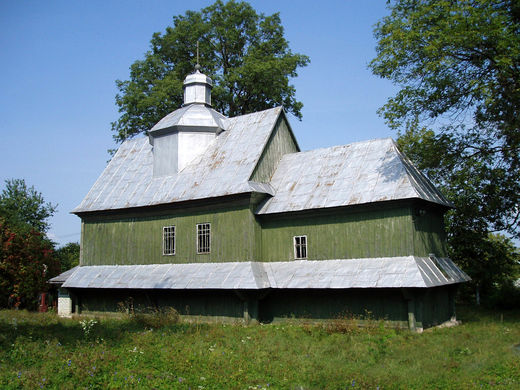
(300, 247)
(168, 240)
(203, 238)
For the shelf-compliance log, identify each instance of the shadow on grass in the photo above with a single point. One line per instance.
(48, 326)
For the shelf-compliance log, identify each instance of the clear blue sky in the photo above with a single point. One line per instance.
(60, 60)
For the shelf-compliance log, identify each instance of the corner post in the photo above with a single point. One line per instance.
(452, 292)
(413, 306)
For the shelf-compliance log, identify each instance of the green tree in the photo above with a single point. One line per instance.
(68, 255)
(245, 54)
(23, 206)
(492, 262)
(457, 112)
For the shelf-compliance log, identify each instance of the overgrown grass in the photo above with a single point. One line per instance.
(42, 351)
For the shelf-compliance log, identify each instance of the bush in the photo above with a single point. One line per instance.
(155, 318)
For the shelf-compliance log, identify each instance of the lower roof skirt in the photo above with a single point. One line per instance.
(384, 272)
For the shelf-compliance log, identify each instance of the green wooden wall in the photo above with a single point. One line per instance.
(209, 305)
(371, 233)
(378, 232)
(429, 233)
(384, 303)
(431, 306)
(237, 235)
(138, 240)
(280, 142)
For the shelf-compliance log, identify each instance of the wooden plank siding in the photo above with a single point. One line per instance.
(429, 234)
(280, 142)
(387, 303)
(138, 240)
(237, 235)
(343, 234)
(431, 306)
(209, 305)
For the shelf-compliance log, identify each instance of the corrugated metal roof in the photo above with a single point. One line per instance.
(224, 169)
(362, 172)
(386, 272)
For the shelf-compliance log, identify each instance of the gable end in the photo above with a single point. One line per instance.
(281, 141)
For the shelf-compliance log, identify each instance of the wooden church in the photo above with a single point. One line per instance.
(226, 219)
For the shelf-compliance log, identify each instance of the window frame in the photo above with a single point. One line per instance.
(167, 234)
(203, 228)
(299, 246)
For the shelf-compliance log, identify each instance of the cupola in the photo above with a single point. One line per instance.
(185, 133)
(197, 88)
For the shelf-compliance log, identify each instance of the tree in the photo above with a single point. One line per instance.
(244, 53)
(27, 261)
(457, 63)
(23, 206)
(27, 257)
(68, 255)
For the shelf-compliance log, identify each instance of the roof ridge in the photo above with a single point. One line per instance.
(324, 148)
(231, 118)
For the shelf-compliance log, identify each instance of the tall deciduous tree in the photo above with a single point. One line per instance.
(21, 205)
(245, 53)
(457, 63)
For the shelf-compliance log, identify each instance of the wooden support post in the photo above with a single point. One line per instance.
(413, 305)
(76, 303)
(247, 317)
(250, 300)
(253, 310)
(452, 292)
(411, 315)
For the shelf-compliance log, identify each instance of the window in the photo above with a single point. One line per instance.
(203, 237)
(168, 240)
(300, 247)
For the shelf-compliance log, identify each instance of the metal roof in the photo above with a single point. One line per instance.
(386, 272)
(61, 278)
(193, 115)
(358, 173)
(362, 172)
(223, 169)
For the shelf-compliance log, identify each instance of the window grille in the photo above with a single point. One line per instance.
(168, 240)
(300, 247)
(203, 238)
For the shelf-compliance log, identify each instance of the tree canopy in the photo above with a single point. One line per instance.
(457, 63)
(68, 255)
(245, 53)
(21, 205)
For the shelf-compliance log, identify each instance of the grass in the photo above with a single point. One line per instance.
(43, 351)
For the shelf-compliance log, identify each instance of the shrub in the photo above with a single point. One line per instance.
(156, 318)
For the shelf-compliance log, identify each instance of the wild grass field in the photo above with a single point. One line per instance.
(158, 352)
